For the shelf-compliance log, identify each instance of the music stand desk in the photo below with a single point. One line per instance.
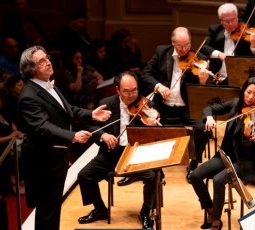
(200, 96)
(176, 157)
(239, 69)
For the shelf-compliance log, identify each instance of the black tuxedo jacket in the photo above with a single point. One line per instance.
(47, 124)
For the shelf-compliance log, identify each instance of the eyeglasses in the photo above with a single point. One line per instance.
(129, 93)
(229, 21)
(43, 61)
(185, 46)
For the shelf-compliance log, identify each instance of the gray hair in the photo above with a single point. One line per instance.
(27, 64)
(227, 8)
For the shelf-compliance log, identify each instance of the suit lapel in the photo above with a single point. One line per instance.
(42, 93)
(169, 63)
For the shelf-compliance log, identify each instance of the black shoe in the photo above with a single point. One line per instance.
(190, 171)
(127, 180)
(192, 166)
(147, 222)
(94, 215)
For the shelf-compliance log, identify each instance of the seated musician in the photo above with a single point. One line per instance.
(112, 144)
(164, 73)
(222, 38)
(238, 143)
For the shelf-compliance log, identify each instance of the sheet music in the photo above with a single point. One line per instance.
(106, 83)
(247, 222)
(153, 152)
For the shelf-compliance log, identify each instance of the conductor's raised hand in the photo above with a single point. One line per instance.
(101, 114)
(81, 136)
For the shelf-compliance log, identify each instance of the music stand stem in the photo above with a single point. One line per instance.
(157, 216)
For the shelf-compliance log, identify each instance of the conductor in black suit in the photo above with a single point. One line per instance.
(221, 44)
(111, 148)
(48, 121)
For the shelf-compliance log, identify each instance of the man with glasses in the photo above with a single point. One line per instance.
(220, 43)
(112, 141)
(48, 120)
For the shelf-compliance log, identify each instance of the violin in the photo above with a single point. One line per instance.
(242, 32)
(148, 115)
(249, 117)
(191, 61)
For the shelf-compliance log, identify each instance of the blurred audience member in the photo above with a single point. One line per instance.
(97, 58)
(20, 24)
(124, 52)
(9, 55)
(74, 35)
(7, 132)
(79, 82)
(14, 86)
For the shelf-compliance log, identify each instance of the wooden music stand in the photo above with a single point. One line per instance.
(200, 96)
(124, 168)
(239, 69)
(147, 134)
(106, 88)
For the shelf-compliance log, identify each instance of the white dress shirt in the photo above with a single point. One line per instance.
(124, 121)
(49, 87)
(175, 98)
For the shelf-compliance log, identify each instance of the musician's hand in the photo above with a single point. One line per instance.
(203, 76)
(252, 40)
(210, 123)
(110, 140)
(222, 56)
(164, 91)
(252, 138)
(100, 114)
(81, 136)
(248, 129)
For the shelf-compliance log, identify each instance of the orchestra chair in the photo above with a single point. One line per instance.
(110, 181)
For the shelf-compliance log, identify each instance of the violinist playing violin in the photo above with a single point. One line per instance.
(223, 40)
(112, 141)
(238, 143)
(165, 74)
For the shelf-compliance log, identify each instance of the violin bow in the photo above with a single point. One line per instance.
(239, 115)
(242, 32)
(105, 126)
(192, 59)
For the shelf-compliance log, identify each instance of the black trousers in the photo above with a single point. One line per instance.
(97, 170)
(216, 170)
